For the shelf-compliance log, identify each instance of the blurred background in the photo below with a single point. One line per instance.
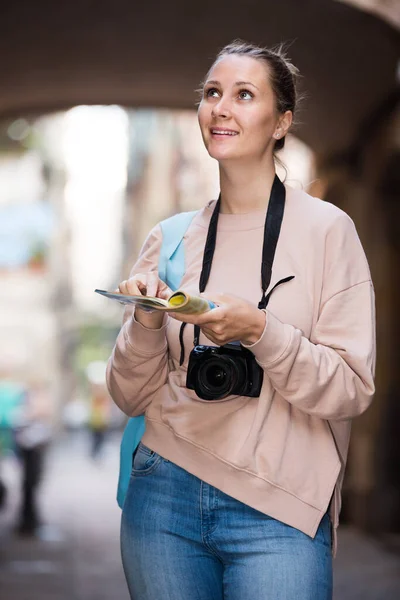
(98, 142)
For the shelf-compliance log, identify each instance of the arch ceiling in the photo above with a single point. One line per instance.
(59, 54)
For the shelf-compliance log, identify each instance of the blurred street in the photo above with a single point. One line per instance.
(78, 556)
(79, 559)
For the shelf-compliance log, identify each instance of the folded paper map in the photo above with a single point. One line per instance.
(179, 302)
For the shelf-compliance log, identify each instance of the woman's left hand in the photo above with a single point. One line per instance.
(233, 319)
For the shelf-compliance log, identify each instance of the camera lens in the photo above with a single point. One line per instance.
(216, 378)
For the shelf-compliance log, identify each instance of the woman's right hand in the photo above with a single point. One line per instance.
(146, 284)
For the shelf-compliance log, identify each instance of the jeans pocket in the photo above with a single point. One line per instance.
(144, 460)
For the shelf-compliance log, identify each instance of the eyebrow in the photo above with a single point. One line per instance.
(237, 83)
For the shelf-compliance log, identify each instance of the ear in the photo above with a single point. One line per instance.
(284, 124)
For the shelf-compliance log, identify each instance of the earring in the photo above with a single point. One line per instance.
(277, 135)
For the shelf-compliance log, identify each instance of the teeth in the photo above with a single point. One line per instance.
(224, 132)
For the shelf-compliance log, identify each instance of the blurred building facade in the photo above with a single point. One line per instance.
(350, 124)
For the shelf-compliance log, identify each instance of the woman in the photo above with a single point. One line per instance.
(232, 496)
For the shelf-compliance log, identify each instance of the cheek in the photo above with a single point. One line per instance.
(259, 122)
(260, 129)
(203, 117)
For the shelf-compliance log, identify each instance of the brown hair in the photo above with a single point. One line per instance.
(282, 74)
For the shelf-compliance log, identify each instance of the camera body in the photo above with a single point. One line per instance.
(215, 372)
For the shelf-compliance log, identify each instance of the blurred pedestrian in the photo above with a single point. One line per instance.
(12, 399)
(99, 406)
(99, 417)
(33, 432)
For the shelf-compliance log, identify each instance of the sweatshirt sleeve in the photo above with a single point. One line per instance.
(138, 365)
(330, 375)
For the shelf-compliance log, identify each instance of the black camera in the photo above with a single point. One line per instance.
(215, 372)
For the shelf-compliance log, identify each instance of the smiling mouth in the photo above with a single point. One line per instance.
(224, 132)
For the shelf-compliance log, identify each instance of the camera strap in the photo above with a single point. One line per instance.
(273, 222)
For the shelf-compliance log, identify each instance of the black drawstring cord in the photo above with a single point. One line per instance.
(265, 299)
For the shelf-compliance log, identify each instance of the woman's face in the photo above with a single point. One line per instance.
(237, 113)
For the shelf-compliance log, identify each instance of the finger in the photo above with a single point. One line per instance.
(211, 337)
(208, 318)
(164, 292)
(136, 285)
(185, 318)
(129, 287)
(220, 340)
(211, 316)
(191, 319)
(122, 287)
(218, 336)
(152, 283)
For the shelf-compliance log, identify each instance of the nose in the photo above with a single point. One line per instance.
(221, 109)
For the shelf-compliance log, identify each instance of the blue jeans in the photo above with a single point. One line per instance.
(182, 539)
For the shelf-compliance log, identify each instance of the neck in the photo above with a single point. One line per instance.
(245, 188)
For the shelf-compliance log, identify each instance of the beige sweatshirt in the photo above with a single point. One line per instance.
(283, 453)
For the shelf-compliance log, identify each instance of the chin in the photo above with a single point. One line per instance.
(221, 153)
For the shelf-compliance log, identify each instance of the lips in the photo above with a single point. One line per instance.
(221, 132)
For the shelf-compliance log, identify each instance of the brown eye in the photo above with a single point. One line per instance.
(245, 95)
(211, 92)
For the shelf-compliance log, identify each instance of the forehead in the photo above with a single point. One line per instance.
(232, 68)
